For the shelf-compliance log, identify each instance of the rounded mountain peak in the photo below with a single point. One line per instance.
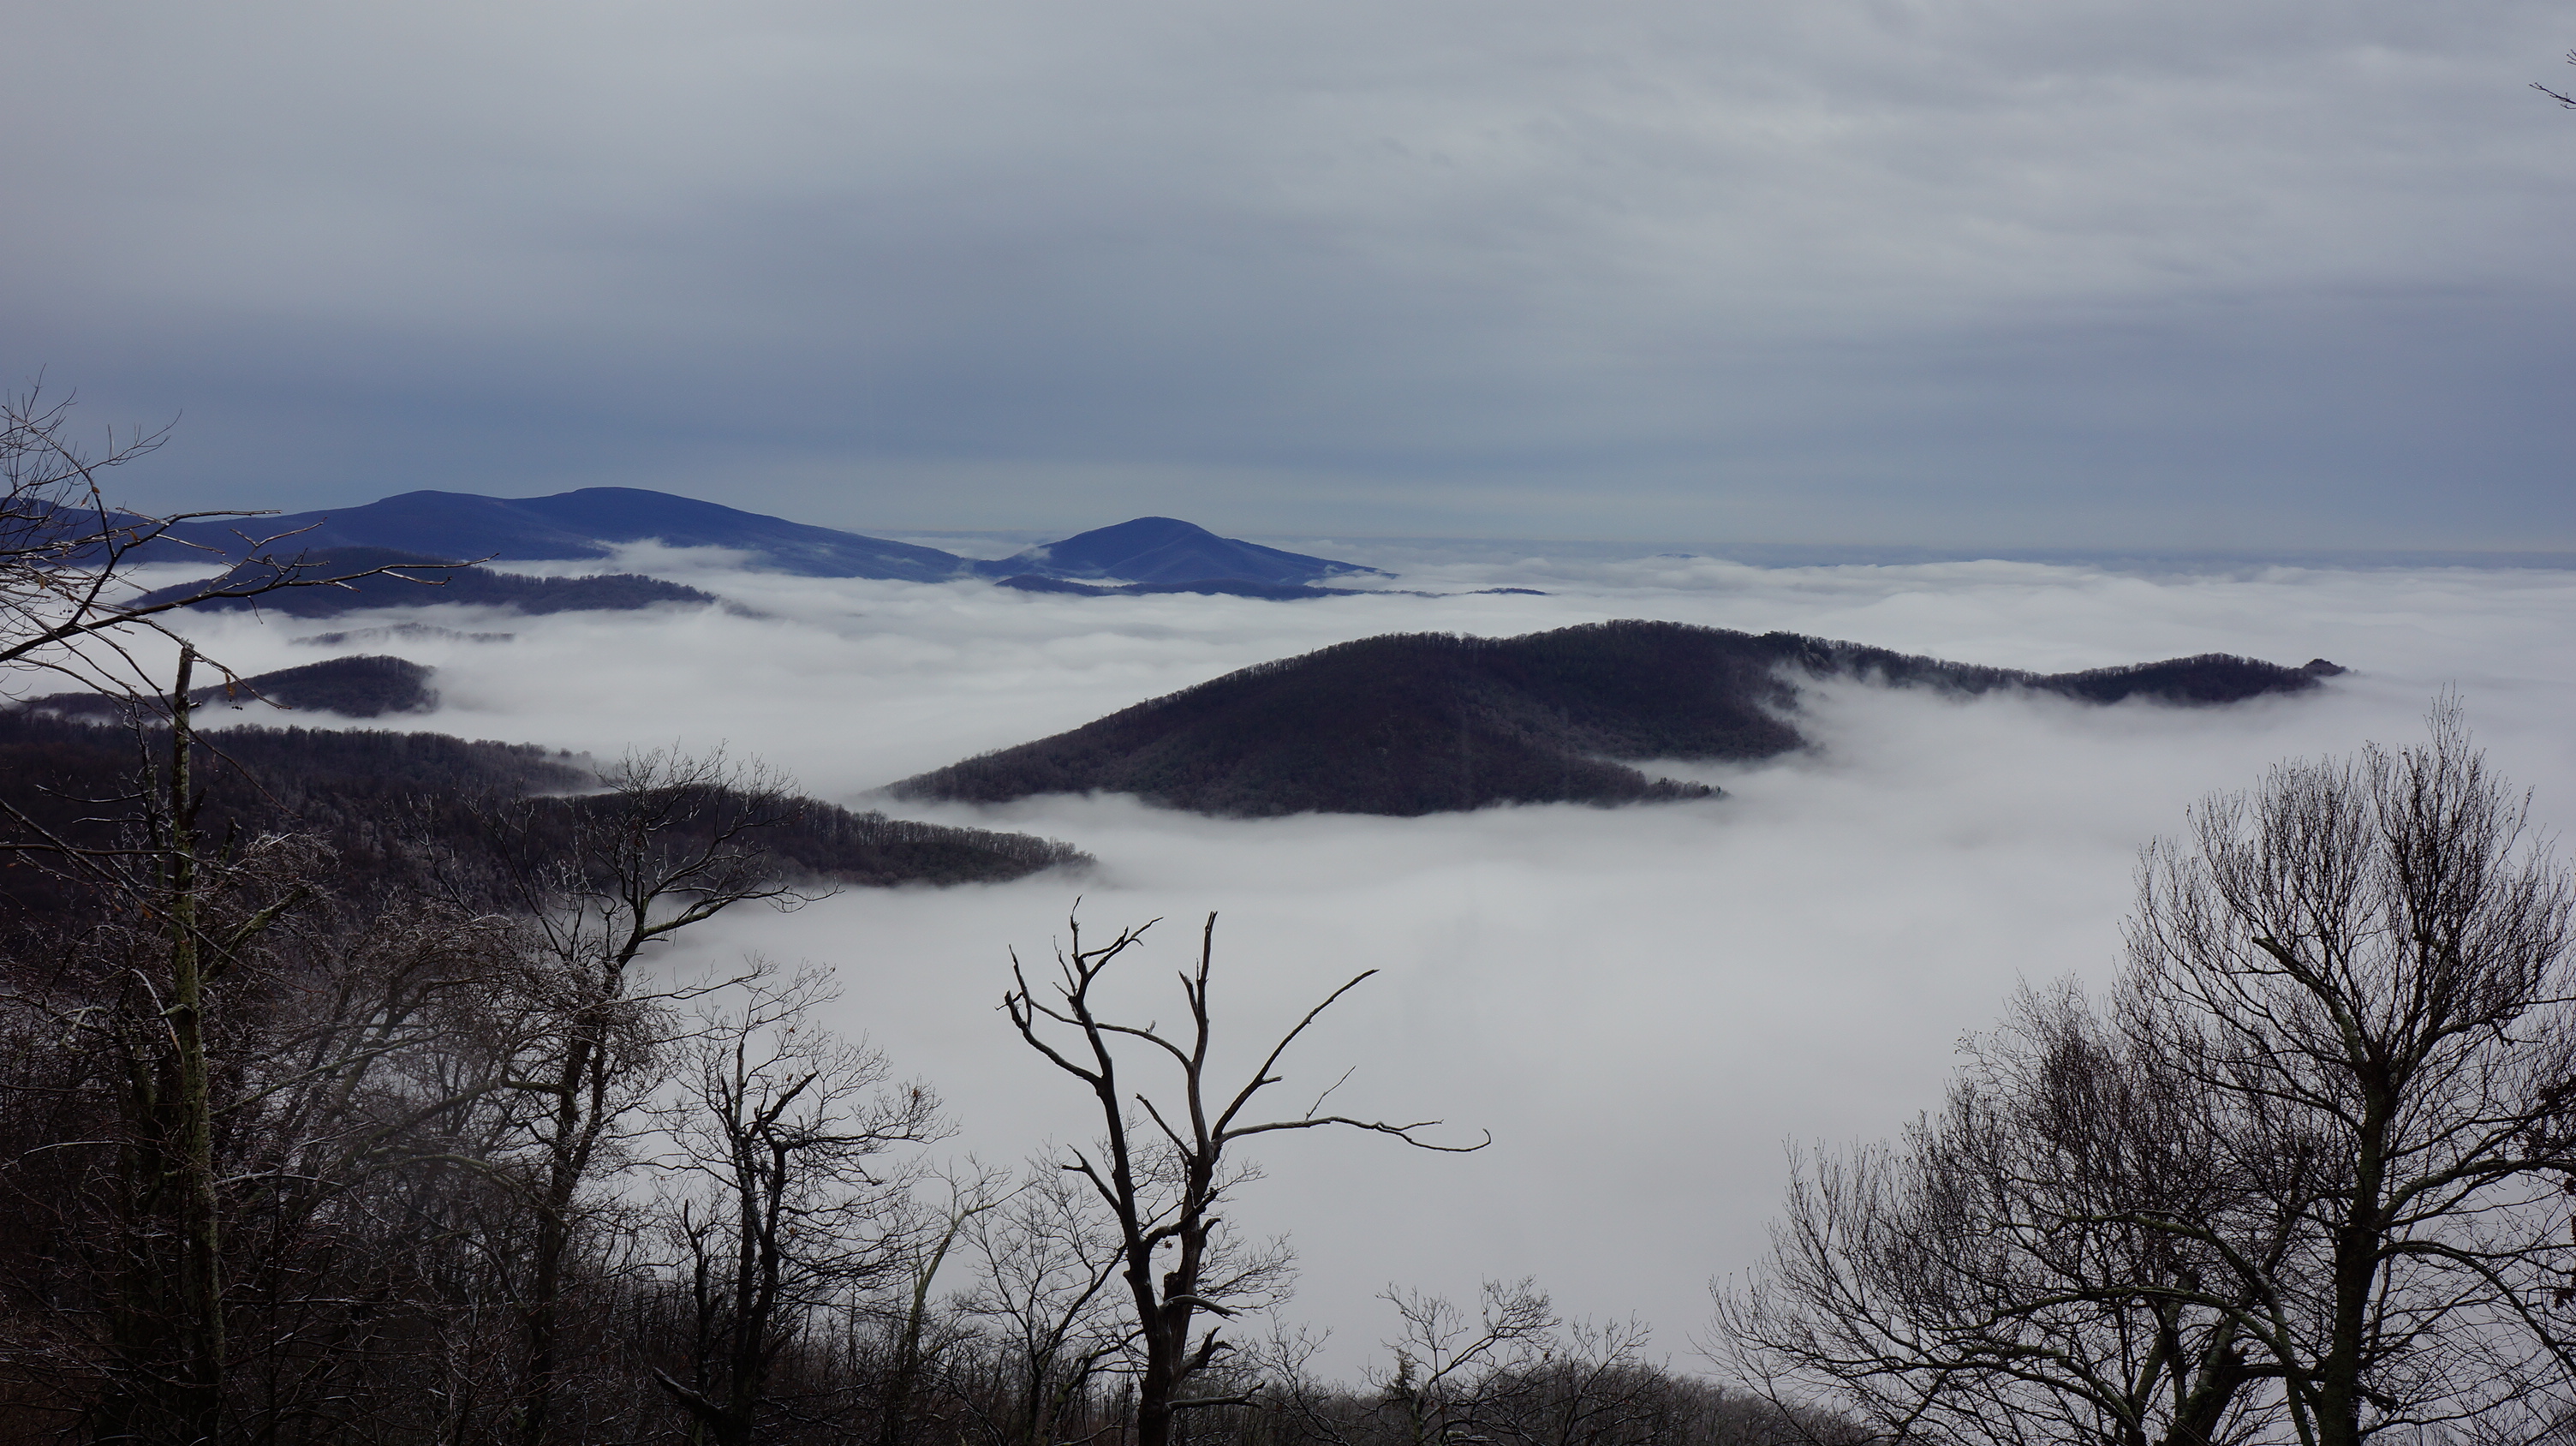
(1165, 550)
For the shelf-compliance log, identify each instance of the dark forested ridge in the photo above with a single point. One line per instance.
(1424, 723)
(435, 581)
(389, 805)
(367, 686)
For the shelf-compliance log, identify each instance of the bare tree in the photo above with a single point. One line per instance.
(1594, 1387)
(240, 1038)
(2367, 964)
(1978, 1281)
(923, 1333)
(1511, 1371)
(780, 1209)
(2306, 1173)
(1045, 1259)
(1452, 1372)
(602, 880)
(1162, 1191)
(202, 911)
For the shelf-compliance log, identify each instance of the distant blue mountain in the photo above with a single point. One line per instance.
(591, 522)
(583, 524)
(1164, 550)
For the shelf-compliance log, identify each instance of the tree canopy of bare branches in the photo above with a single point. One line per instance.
(777, 1206)
(671, 842)
(2305, 1176)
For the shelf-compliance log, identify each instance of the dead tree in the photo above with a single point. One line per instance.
(1162, 1190)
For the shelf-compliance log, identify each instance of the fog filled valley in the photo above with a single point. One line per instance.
(1647, 1006)
(1642, 1004)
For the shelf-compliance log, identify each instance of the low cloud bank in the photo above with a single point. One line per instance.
(1642, 1004)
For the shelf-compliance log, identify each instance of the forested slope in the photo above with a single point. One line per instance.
(365, 686)
(430, 579)
(391, 806)
(1426, 722)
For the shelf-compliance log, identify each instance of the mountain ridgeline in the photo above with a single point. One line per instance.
(1422, 723)
(364, 686)
(594, 521)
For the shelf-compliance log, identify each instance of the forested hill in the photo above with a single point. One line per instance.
(427, 580)
(365, 686)
(1425, 723)
(392, 806)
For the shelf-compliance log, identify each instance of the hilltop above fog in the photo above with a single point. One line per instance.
(1165, 550)
(364, 686)
(1413, 724)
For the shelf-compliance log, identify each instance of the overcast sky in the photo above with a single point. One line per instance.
(2181, 274)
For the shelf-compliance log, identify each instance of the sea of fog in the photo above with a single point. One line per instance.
(1645, 1006)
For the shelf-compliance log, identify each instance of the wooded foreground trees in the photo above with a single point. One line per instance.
(2305, 1175)
(1511, 1371)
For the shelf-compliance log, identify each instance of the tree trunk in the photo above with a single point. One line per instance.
(541, 1318)
(2356, 1273)
(198, 1394)
(1167, 1347)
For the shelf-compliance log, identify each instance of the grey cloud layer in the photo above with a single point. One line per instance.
(1861, 271)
